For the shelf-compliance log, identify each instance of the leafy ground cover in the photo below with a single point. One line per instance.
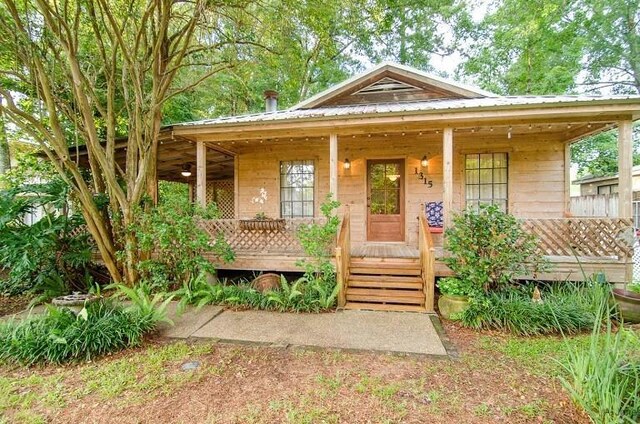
(498, 378)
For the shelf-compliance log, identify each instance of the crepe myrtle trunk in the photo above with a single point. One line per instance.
(5, 153)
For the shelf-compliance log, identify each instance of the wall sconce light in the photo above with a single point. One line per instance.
(420, 175)
(347, 164)
(186, 170)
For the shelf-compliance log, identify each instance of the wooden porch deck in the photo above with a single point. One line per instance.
(575, 247)
(384, 250)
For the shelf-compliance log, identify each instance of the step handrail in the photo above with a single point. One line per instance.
(343, 257)
(427, 261)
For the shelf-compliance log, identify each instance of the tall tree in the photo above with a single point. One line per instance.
(598, 155)
(5, 153)
(90, 64)
(525, 47)
(411, 32)
(612, 44)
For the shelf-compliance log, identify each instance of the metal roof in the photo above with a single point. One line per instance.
(438, 105)
(394, 68)
(587, 179)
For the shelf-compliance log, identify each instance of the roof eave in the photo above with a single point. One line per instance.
(492, 108)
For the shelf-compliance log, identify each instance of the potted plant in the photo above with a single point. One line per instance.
(454, 296)
(261, 222)
(628, 300)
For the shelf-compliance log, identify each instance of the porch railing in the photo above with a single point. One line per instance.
(607, 238)
(427, 262)
(343, 257)
(283, 241)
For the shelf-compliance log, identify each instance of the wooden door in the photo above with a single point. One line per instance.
(385, 200)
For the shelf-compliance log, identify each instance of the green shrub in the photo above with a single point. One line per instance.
(489, 247)
(634, 287)
(604, 379)
(50, 257)
(317, 241)
(174, 245)
(565, 308)
(60, 336)
(457, 287)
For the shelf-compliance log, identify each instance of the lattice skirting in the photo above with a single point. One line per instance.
(241, 240)
(636, 261)
(589, 237)
(222, 193)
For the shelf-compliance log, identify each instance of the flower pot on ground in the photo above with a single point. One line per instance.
(628, 301)
(454, 297)
(266, 282)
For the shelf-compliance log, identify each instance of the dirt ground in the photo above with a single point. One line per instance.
(13, 304)
(495, 379)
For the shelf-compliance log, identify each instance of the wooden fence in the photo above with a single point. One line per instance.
(596, 205)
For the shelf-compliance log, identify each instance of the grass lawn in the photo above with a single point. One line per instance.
(496, 379)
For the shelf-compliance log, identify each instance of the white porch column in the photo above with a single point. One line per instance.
(201, 173)
(333, 165)
(447, 177)
(625, 163)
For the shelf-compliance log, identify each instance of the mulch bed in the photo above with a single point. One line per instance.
(13, 304)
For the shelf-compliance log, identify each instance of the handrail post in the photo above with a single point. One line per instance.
(343, 258)
(427, 262)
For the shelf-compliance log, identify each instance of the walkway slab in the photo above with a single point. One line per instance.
(359, 330)
(186, 323)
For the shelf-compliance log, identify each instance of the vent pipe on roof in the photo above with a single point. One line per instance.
(271, 100)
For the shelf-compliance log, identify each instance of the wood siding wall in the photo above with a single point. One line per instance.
(536, 173)
(259, 166)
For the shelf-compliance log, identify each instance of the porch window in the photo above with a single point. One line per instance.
(486, 179)
(297, 186)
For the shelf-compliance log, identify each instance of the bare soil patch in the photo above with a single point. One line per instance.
(13, 304)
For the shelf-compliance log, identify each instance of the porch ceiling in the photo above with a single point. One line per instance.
(173, 153)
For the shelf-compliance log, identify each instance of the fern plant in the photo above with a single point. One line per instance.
(152, 307)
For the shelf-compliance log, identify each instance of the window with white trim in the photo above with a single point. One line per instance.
(297, 189)
(486, 179)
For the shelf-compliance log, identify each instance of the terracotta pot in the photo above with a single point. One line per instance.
(628, 304)
(265, 282)
(262, 224)
(452, 305)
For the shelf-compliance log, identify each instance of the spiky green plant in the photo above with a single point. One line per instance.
(604, 379)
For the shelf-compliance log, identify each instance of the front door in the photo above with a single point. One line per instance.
(385, 200)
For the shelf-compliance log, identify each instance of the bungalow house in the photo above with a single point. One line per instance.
(402, 150)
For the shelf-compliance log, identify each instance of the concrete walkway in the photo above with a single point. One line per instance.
(396, 332)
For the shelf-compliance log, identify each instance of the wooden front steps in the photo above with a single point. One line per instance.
(388, 284)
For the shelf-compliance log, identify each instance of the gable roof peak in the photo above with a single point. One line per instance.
(388, 69)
